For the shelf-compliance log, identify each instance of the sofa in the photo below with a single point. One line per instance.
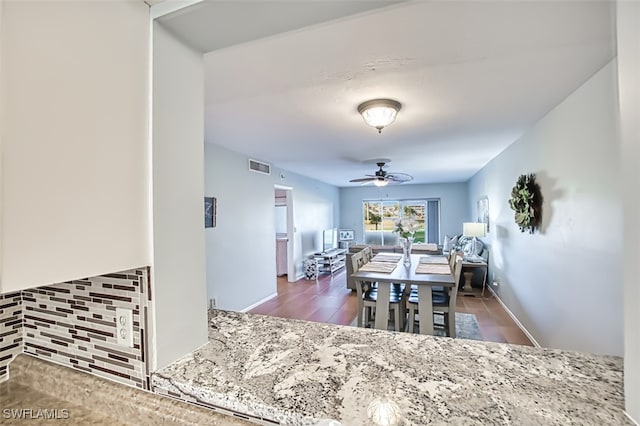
(416, 249)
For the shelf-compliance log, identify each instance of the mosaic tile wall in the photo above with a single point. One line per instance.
(74, 324)
(10, 329)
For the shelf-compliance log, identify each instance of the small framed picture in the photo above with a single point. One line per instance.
(210, 212)
(483, 211)
(346, 234)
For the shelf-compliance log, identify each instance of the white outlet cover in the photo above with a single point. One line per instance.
(124, 327)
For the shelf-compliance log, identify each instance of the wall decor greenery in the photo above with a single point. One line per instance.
(526, 201)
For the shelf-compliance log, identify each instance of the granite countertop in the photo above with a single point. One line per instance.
(298, 372)
(37, 389)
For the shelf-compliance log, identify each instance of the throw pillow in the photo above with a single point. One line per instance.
(468, 248)
(449, 243)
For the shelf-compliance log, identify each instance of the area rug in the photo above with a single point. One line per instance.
(466, 326)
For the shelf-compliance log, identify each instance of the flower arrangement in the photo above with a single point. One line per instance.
(406, 227)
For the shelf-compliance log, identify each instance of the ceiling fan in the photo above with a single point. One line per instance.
(383, 178)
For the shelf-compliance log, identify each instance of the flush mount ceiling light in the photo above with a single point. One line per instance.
(379, 113)
(381, 182)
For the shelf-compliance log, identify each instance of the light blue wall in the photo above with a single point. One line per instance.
(454, 204)
(563, 283)
(240, 250)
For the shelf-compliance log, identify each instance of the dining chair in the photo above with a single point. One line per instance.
(443, 303)
(368, 296)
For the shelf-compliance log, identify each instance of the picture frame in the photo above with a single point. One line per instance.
(346, 234)
(210, 210)
(483, 211)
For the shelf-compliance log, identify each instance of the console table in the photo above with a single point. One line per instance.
(468, 269)
(330, 261)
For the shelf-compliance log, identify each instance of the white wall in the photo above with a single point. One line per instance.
(629, 93)
(454, 208)
(1, 134)
(179, 281)
(241, 248)
(75, 140)
(563, 283)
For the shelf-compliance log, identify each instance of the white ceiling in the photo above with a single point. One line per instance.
(471, 77)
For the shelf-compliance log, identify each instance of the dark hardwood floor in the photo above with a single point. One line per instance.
(328, 300)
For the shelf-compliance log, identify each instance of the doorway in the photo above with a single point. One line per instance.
(284, 232)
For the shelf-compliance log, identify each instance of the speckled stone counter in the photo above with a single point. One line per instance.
(297, 372)
(37, 389)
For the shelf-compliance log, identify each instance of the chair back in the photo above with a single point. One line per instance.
(453, 291)
(357, 260)
(452, 258)
(368, 254)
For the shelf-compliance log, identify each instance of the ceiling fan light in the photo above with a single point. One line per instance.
(380, 182)
(379, 113)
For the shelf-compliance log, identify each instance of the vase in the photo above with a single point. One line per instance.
(406, 249)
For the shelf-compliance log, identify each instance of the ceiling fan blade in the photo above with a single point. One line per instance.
(382, 177)
(399, 177)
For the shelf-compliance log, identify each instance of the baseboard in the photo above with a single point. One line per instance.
(515, 319)
(259, 302)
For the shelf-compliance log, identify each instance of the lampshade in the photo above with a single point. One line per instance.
(474, 229)
(379, 113)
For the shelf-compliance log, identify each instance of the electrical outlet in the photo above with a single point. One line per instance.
(124, 327)
(212, 303)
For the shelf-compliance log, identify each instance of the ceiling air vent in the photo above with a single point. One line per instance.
(259, 167)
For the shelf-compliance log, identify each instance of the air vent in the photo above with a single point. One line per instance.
(259, 167)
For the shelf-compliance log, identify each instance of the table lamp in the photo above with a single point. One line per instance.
(475, 230)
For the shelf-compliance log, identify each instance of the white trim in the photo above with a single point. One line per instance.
(294, 244)
(630, 418)
(259, 302)
(515, 319)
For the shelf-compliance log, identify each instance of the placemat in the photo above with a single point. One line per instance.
(425, 246)
(392, 258)
(434, 259)
(385, 267)
(430, 268)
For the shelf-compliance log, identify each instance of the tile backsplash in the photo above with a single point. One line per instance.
(10, 329)
(74, 324)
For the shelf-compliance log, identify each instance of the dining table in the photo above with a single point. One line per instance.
(407, 275)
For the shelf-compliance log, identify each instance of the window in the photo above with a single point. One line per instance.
(380, 217)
